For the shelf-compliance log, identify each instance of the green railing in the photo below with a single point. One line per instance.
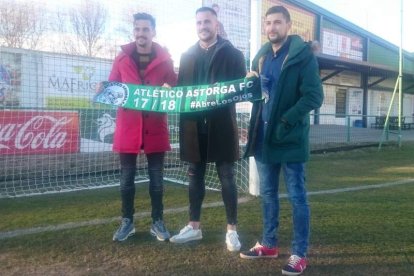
(335, 129)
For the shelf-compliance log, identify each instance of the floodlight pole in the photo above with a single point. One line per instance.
(398, 85)
(400, 80)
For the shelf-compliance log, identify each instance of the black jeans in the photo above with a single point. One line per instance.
(156, 188)
(196, 191)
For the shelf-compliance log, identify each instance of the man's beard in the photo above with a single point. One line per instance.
(205, 35)
(142, 42)
(276, 40)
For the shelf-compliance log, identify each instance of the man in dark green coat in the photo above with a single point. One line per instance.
(279, 133)
(210, 136)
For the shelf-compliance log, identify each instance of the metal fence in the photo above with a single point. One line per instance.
(357, 130)
(95, 166)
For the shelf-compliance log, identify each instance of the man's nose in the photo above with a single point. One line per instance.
(139, 32)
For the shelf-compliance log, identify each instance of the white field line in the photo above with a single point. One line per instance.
(71, 225)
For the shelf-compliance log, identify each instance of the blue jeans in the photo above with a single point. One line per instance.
(294, 175)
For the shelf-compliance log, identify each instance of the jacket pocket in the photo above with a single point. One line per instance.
(287, 136)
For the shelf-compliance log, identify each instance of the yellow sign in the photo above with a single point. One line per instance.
(303, 22)
(71, 103)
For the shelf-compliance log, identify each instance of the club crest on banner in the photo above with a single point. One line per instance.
(114, 93)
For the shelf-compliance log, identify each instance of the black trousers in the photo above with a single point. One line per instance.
(156, 187)
(225, 171)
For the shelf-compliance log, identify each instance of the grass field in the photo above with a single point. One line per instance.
(362, 232)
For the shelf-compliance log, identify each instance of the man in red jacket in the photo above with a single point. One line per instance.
(147, 63)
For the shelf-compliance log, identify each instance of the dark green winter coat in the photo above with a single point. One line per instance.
(299, 92)
(227, 63)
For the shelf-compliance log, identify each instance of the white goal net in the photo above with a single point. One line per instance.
(86, 161)
(52, 137)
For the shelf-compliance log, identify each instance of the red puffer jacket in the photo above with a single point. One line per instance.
(142, 130)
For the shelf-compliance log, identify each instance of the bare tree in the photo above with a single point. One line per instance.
(88, 22)
(22, 25)
(63, 39)
(125, 22)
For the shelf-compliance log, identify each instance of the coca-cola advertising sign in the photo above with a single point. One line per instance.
(38, 132)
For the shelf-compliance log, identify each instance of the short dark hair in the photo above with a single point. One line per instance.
(145, 16)
(279, 9)
(206, 9)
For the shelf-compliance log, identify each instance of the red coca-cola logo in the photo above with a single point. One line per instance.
(38, 132)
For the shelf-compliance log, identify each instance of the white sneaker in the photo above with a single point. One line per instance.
(188, 233)
(232, 241)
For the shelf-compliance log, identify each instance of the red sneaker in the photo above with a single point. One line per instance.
(295, 266)
(260, 251)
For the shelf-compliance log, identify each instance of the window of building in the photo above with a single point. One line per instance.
(340, 110)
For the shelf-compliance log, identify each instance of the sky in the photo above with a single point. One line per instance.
(380, 17)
